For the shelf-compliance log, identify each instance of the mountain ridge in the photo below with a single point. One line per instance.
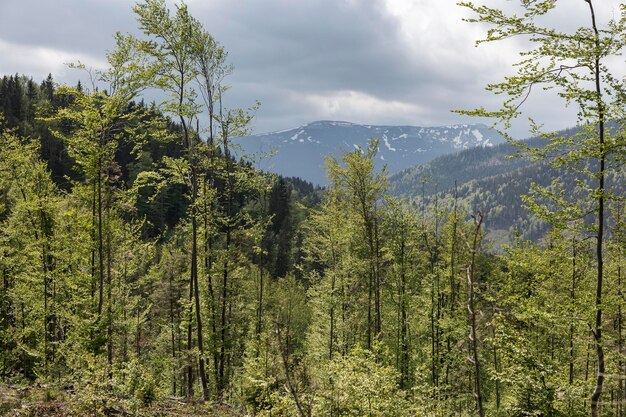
(300, 151)
(493, 180)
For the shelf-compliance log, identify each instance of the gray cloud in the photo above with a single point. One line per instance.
(371, 61)
(73, 25)
(322, 45)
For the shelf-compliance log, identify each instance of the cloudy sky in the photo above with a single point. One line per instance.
(365, 61)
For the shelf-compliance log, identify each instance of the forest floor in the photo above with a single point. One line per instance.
(43, 401)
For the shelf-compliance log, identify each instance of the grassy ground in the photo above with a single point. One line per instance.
(44, 401)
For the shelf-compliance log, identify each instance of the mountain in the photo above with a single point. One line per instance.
(301, 151)
(489, 180)
(492, 180)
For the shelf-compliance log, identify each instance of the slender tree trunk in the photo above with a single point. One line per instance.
(259, 315)
(194, 273)
(369, 233)
(472, 313)
(208, 261)
(93, 240)
(344, 310)
(173, 333)
(600, 372)
(404, 351)
(5, 316)
(109, 289)
(208, 238)
(179, 340)
(452, 283)
(434, 311)
(433, 358)
(453, 253)
(620, 348)
(370, 284)
(187, 139)
(377, 280)
(45, 271)
(587, 364)
(123, 286)
(225, 281)
(100, 240)
(571, 327)
(194, 267)
(370, 287)
(333, 298)
(138, 334)
(496, 369)
(223, 321)
(189, 342)
(261, 263)
(438, 356)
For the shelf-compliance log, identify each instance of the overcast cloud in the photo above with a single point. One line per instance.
(365, 61)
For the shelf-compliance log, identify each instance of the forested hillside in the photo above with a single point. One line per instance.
(146, 271)
(494, 181)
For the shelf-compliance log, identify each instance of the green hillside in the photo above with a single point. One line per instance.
(492, 180)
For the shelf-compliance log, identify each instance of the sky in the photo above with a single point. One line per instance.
(395, 62)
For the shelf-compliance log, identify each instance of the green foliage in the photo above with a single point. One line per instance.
(151, 266)
(575, 65)
(357, 385)
(259, 381)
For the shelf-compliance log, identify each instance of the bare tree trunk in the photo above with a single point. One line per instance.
(370, 284)
(620, 348)
(496, 368)
(173, 333)
(208, 259)
(223, 312)
(404, 351)
(100, 240)
(194, 277)
(124, 300)
(188, 144)
(93, 240)
(194, 265)
(472, 313)
(597, 391)
(571, 327)
(189, 343)
(453, 280)
(377, 280)
(222, 373)
(46, 284)
(109, 285)
(433, 358)
(333, 281)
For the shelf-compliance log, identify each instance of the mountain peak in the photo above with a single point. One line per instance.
(300, 151)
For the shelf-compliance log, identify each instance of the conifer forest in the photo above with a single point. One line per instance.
(148, 267)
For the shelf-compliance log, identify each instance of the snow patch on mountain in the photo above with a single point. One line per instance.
(301, 151)
(294, 137)
(387, 144)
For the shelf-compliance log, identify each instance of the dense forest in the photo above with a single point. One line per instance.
(494, 180)
(147, 270)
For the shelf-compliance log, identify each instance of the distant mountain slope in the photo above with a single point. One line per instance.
(301, 151)
(492, 181)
